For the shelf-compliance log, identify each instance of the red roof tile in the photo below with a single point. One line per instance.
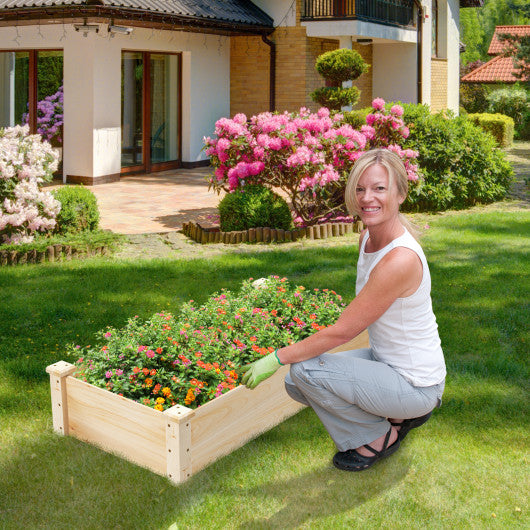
(498, 70)
(496, 46)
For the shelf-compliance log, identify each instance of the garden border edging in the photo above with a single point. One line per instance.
(268, 235)
(51, 254)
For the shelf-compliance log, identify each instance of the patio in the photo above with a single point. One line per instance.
(157, 202)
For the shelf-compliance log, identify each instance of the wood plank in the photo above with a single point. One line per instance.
(117, 424)
(231, 420)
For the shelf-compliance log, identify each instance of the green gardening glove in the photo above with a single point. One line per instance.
(260, 370)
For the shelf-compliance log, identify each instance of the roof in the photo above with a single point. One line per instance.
(497, 46)
(471, 3)
(229, 11)
(497, 70)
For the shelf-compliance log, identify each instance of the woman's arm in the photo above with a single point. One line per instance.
(398, 274)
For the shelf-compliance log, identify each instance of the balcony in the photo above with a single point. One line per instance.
(388, 12)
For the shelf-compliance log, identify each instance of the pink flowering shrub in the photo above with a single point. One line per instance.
(307, 155)
(25, 162)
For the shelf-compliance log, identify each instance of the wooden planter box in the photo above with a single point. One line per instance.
(180, 441)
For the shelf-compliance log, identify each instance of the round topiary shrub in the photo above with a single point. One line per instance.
(341, 65)
(79, 210)
(253, 206)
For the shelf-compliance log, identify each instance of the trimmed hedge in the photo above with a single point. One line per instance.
(79, 210)
(500, 126)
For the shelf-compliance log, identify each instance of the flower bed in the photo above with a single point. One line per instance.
(193, 358)
(185, 369)
(180, 441)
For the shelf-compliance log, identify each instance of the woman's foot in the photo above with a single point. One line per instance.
(404, 426)
(366, 456)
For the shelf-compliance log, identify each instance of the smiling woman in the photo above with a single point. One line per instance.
(368, 399)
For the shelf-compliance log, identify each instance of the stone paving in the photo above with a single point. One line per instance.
(156, 203)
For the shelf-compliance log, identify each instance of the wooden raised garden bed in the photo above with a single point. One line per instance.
(180, 441)
(267, 235)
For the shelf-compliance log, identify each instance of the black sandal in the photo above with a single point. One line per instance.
(351, 460)
(407, 425)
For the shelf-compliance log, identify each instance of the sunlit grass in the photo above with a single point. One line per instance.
(466, 468)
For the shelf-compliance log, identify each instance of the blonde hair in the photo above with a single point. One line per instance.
(397, 176)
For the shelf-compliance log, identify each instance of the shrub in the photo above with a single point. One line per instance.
(473, 96)
(254, 206)
(334, 98)
(460, 163)
(340, 65)
(192, 358)
(513, 102)
(498, 125)
(336, 67)
(25, 163)
(308, 156)
(356, 118)
(79, 210)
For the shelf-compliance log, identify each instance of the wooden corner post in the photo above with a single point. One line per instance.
(58, 374)
(178, 443)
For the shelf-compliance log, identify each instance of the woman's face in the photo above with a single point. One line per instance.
(377, 203)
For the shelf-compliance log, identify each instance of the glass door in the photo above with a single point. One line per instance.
(132, 126)
(150, 111)
(14, 88)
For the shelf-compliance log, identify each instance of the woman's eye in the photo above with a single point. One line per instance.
(358, 190)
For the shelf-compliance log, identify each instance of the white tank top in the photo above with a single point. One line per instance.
(406, 335)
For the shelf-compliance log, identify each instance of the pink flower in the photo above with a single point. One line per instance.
(397, 110)
(240, 118)
(150, 353)
(108, 375)
(323, 112)
(108, 335)
(371, 119)
(141, 348)
(404, 131)
(378, 104)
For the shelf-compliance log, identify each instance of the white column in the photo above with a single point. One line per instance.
(426, 53)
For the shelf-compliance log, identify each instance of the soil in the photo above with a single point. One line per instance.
(173, 245)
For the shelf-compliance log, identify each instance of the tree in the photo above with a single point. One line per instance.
(336, 67)
(518, 47)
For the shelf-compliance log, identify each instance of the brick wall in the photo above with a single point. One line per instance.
(249, 75)
(438, 84)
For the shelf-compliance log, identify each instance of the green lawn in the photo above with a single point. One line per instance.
(466, 468)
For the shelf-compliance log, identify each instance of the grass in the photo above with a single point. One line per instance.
(466, 468)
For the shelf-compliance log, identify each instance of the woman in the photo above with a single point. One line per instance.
(368, 399)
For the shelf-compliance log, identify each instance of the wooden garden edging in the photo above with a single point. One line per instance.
(52, 253)
(267, 235)
(180, 441)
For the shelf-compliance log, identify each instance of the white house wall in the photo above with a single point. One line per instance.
(394, 72)
(92, 88)
(453, 54)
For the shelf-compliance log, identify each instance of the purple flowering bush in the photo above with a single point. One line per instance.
(307, 155)
(25, 162)
(193, 357)
(49, 116)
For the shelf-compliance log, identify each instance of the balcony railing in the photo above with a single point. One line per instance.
(394, 12)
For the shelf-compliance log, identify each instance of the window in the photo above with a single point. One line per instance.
(31, 92)
(434, 28)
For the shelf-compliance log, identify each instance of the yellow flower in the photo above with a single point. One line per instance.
(159, 407)
(160, 400)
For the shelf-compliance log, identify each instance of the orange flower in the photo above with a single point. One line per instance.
(194, 382)
(274, 312)
(146, 371)
(160, 400)
(159, 350)
(136, 370)
(159, 407)
(153, 372)
(166, 391)
(148, 382)
(253, 339)
(190, 396)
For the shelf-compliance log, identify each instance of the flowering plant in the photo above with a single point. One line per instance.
(49, 116)
(307, 155)
(193, 357)
(25, 162)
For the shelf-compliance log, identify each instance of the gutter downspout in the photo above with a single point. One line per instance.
(272, 72)
(419, 51)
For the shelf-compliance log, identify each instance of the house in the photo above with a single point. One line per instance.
(128, 86)
(499, 69)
